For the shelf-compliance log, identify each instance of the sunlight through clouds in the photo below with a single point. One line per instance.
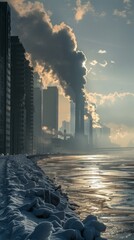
(100, 99)
(102, 30)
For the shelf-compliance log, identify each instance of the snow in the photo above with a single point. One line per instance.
(33, 208)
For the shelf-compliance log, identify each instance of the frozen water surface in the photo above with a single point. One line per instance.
(102, 185)
(33, 208)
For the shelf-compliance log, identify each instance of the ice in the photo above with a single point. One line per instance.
(74, 223)
(33, 208)
(43, 231)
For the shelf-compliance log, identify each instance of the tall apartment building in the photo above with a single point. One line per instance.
(50, 108)
(21, 99)
(4, 78)
(29, 106)
(37, 119)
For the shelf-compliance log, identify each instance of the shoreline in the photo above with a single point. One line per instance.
(32, 207)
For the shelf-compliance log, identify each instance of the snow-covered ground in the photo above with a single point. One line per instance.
(33, 208)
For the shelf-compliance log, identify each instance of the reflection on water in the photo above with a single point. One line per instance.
(100, 184)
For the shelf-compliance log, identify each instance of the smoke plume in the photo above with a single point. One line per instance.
(53, 48)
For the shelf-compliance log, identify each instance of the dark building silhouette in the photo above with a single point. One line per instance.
(37, 119)
(4, 78)
(17, 96)
(29, 105)
(72, 117)
(50, 108)
(21, 100)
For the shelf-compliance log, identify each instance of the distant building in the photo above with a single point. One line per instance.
(88, 130)
(65, 127)
(37, 119)
(72, 118)
(21, 100)
(4, 78)
(50, 108)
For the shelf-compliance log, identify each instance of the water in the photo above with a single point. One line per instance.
(102, 185)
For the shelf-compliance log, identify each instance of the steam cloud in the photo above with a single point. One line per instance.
(100, 99)
(53, 48)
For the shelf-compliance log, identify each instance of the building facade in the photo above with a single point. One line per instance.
(29, 107)
(21, 100)
(4, 78)
(72, 118)
(50, 108)
(37, 120)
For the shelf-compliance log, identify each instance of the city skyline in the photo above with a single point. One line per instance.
(104, 33)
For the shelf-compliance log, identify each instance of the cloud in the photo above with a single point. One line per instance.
(119, 13)
(23, 7)
(115, 107)
(53, 48)
(49, 76)
(113, 110)
(129, 22)
(90, 110)
(101, 99)
(118, 133)
(126, 1)
(103, 64)
(102, 14)
(116, 112)
(121, 135)
(102, 51)
(82, 9)
(93, 63)
(126, 13)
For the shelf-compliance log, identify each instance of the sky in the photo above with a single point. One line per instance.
(103, 33)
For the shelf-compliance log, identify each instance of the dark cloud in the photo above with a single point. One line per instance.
(53, 46)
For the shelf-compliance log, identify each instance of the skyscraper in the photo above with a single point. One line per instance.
(37, 119)
(21, 99)
(50, 108)
(17, 96)
(29, 107)
(4, 78)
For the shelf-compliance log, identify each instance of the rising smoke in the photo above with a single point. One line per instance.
(54, 48)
